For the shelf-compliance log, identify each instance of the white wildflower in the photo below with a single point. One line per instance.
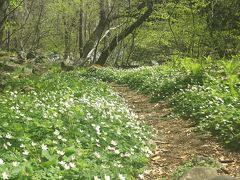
(44, 147)
(1, 162)
(56, 132)
(114, 143)
(121, 177)
(111, 148)
(25, 152)
(98, 129)
(62, 163)
(5, 146)
(116, 151)
(98, 145)
(9, 136)
(72, 165)
(5, 175)
(96, 178)
(64, 140)
(60, 152)
(107, 177)
(66, 166)
(141, 176)
(22, 146)
(15, 164)
(55, 142)
(127, 154)
(97, 155)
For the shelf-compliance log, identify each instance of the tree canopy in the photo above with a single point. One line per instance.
(92, 31)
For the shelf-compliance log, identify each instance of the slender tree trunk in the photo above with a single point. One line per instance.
(8, 42)
(170, 25)
(117, 56)
(3, 11)
(80, 32)
(131, 48)
(67, 41)
(118, 38)
(1, 36)
(36, 38)
(194, 30)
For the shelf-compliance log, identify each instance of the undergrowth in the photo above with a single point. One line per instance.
(207, 92)
(65, 126)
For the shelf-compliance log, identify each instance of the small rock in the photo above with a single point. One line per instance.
(54, 57)
(200, 173)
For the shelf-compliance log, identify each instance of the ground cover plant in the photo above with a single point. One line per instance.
(205, 91)
(65, 126)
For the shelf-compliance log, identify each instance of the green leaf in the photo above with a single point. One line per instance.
(51, 162)
(70, 150)
(18, 170)
(46, 154)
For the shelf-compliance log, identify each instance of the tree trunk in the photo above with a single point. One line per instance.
(96, 35)
(1, 37)
(193, 31)
(118, 38)
(3, 11)
(37, 31)
(80, 31)
(67, 41)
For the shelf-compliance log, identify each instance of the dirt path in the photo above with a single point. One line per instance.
(176, 141)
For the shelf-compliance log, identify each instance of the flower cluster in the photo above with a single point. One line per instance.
(69, 127)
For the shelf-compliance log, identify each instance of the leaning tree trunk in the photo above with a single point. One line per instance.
(118, 38)
(96, 35)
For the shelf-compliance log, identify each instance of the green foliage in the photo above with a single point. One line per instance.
(68, 127)
(231, 69)
(189, 28)
(207, 92)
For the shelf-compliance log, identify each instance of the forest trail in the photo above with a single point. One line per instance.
(176, 141)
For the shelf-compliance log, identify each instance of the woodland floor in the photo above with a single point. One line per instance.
(177, 141)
